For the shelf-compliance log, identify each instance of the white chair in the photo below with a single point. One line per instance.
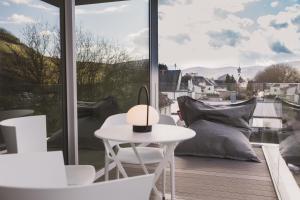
(42, 169)
(41, 176)
(29, 134)
(149, 155)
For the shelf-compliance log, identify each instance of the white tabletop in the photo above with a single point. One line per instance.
(160, 134)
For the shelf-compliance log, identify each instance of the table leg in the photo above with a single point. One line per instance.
(172, 177)
(167, 158)
(164, 179)
(119, 165)
(106, 169)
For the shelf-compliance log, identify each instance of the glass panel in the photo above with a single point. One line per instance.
(222, 52)
(31, 68)
(112, 63)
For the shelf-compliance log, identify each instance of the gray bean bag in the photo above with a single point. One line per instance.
(221, 131)
(235, 115)
(217, 140)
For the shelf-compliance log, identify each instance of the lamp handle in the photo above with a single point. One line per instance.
(147, 96)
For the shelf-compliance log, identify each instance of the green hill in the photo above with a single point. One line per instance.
(8, 41)
(8, 37)
(18, 62)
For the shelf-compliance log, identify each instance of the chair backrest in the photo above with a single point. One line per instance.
(42, 169)
(112, 120)
(166, 119)
(135, 188)
(25, 134)
(117, 119)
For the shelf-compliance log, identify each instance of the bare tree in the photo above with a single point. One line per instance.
(279, 73)
(55, 55)
(30, 61)
(95, 55)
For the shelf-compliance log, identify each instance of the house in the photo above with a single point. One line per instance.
(170, 82)
(202, 86)
(291, 92)
(275, 89)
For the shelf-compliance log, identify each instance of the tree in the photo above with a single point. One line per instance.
(232, 79)
(250, 90)
(95, 56)
(230, 82)
(162, 67)
(278, 73)
(29, 60)
(227, 79)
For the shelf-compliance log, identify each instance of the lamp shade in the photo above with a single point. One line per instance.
(141, 116)
(137, 116)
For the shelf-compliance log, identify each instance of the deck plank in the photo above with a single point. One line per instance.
(218, 179)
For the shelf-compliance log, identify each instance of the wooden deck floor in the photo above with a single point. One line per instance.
(219, 179)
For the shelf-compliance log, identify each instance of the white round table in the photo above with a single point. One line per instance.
(167, 135)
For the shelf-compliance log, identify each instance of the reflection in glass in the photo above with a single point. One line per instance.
(31, 69)
(112, 64)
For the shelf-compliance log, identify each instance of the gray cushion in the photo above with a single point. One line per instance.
(217, 140)
(235, 115)
(221, 131)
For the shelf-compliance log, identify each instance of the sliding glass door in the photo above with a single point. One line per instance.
(224, 52)
(112, 63)
(32, 70)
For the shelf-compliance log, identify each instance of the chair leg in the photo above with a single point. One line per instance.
(117, 172)
(164, 184)
(106, 169)
(172, 170)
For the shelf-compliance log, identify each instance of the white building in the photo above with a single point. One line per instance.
(170, 84)
(275, 89)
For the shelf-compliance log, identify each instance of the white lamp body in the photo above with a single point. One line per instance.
(137, 116)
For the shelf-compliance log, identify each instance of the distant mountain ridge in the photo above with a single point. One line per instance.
(247, 72)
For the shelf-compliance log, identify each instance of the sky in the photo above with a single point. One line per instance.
(210, 33)
(125, 23)
(214, 33)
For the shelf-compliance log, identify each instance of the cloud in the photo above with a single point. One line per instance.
(233, 6)
(296, 22)
(284, 16)
(167, 2)
(31, 4)
(20, 1)
(139, 43)
(180, 38)
(217, 30)
(40, 6)
(279, 25)
(111, 9)
(4, 3)
(18, 19)
(173, 2)
(274, 4)
(279, 47)
(225, 38)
